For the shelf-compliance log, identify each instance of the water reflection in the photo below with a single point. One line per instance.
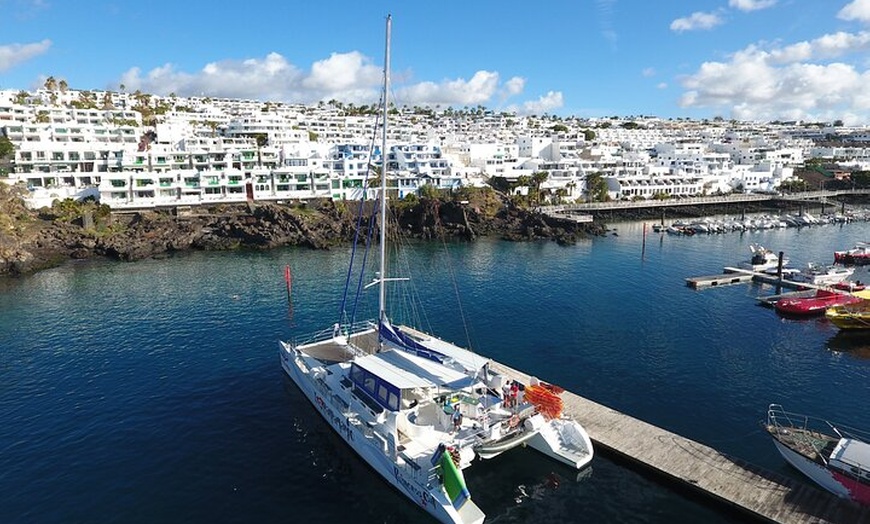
(853, 342)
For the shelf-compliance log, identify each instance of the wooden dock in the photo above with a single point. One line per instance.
(733, 275)
(725, 279)
(765, 495)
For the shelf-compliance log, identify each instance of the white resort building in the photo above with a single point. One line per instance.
(142, 151)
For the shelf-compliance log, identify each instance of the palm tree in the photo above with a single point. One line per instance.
(262, 139)
(522, 181)
(7, 148)
(538, 178)
(63, 86)
(50, 83)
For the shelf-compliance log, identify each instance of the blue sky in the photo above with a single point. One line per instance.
(743, 59)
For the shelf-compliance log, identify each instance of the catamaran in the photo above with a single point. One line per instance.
(416, 408)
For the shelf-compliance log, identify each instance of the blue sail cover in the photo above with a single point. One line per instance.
(406, 343)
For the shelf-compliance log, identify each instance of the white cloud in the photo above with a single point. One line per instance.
(342, 72)
(648, 72)
(511, 88)
(696, 21)
(826, 46)
(856, 10)
(478, 90)
(751, 5)
(14, 54)
(606, 9)
(348, 77)
(545, 104)
(791, 82)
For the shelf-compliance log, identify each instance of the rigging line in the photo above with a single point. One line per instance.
(453, 278)
(360, 280)
(341, 311)
(370, 232)
(416, 312)
(342, 308)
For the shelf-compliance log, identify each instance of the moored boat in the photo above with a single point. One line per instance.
(850, 316)
(416, 408)
(822, 275)
(858, 255)
(834, 456)
(850, 285)
(816, 304)
(762, 259)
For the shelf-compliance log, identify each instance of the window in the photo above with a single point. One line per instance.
(369, 384)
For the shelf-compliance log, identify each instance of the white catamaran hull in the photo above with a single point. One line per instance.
(818, 473)
(370, 448)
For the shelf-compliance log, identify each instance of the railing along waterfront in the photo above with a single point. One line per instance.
(615, 205)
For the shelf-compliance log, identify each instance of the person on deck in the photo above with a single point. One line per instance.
(457, 418)
(515, 391)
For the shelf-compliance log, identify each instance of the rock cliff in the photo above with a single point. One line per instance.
(30, 241)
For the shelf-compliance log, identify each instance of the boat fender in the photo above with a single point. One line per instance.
(534, 423)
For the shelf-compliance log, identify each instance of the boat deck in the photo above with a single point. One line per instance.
(331, 351)
(752, 490)
(811, 444)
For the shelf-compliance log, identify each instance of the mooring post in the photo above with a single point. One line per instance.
(779, 273)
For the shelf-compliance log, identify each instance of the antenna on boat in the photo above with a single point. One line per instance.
(382, 295)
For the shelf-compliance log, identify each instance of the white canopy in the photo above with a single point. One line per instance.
(406, 371)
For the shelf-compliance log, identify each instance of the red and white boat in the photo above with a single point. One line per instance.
(850, 285)
(816, 304)
(858, 255)
(834, 456)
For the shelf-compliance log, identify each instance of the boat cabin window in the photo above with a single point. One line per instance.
(381, 391)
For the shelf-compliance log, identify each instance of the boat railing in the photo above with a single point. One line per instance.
(799, 430)
(330, 333)
(433, 477)
(778, 417)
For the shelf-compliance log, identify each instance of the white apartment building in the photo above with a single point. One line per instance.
(203, 150)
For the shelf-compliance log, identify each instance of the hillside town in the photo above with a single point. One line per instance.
(140, 151)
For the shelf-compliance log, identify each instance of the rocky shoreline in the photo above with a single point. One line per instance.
(32, 241)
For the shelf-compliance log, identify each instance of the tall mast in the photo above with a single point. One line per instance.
(382, 300)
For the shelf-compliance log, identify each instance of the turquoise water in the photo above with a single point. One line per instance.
(152, 391)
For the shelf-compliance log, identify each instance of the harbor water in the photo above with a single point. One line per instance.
(152, 392)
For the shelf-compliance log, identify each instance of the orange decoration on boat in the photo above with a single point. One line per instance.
(545, 397)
